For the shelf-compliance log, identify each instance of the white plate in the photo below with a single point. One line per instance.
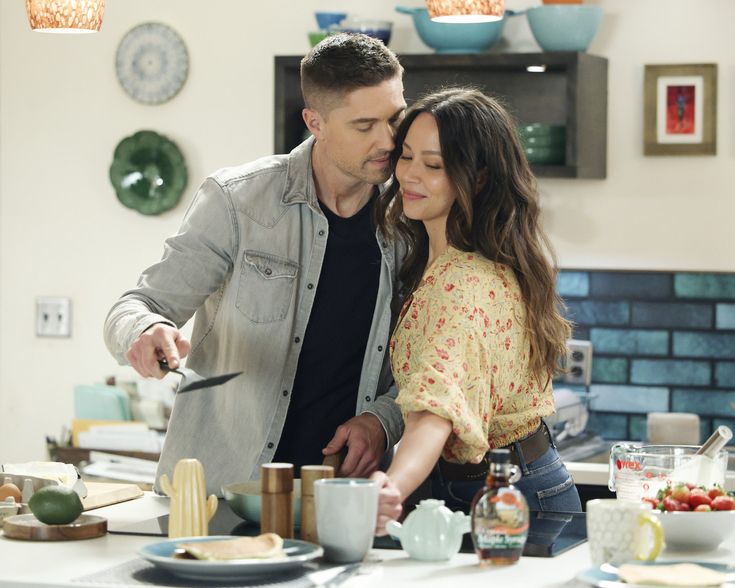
(606, 576)
(297, 554)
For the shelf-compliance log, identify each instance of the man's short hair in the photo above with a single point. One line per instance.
(343, 63)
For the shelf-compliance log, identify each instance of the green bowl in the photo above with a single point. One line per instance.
(543, 141)
(317, 37)
(545, 155)
(542, 130)
(244, 500)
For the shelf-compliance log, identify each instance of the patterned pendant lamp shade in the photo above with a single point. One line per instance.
(65, 16)
(459, 11)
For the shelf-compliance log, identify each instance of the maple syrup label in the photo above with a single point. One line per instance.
(500, 541)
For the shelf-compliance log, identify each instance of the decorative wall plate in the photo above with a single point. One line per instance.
(152, 63)
(148, 172)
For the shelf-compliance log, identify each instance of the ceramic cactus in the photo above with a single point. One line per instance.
(191, 510)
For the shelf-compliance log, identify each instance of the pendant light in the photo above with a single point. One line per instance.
(465, 11)
(65, 16)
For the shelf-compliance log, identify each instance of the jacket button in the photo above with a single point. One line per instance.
(380, 348)
(367, 398)
(268, 271)
(285, 392)
(321, 233)
(310, 286)
(297, 340)
(270, 445)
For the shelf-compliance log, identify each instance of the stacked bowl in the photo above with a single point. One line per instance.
(445, 37)
(327, 22)
(564, 27)
(543, 144)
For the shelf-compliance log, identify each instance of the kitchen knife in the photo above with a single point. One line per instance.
(193, 380)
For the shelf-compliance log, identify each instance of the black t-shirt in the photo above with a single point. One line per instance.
(328, 374)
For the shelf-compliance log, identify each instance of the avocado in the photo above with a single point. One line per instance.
(55, 505)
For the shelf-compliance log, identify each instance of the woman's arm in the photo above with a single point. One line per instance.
(419, 450)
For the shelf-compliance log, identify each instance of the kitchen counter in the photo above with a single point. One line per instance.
(32, 564)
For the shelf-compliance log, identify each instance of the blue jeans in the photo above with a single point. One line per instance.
(545, 483)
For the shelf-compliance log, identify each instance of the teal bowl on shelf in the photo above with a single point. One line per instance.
(542, 130)
(564, 27)
(455, 38)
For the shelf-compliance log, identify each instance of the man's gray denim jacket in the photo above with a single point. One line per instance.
(247, 260)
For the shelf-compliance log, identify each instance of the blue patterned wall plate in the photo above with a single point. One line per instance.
(152, 63)
(148, 172)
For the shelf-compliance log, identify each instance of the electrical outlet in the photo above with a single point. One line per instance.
(53, 317)
(579, 362)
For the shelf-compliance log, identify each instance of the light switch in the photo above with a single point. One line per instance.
(53, 317)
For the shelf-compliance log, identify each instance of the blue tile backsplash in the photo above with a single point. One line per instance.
(662, 341)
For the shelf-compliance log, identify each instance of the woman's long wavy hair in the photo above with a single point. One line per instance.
(496, 212)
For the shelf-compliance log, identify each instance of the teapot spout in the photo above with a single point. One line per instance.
(461, 523)
(394, 528)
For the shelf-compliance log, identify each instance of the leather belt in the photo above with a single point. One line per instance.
(531, 447)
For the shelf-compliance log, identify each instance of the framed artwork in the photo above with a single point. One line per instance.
(680, 109)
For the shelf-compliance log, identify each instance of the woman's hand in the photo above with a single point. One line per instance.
(389, 502)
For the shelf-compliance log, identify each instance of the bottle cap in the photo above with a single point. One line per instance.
(499, 455)
(276, 477)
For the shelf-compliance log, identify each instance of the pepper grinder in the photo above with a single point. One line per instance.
(309, 475)
(276, 495)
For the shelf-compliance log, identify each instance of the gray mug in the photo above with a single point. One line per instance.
(346, 515)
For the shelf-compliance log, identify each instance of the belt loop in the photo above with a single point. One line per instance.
(521, 458)
(548, 431)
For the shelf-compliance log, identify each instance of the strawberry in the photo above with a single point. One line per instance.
(681, 493)
(652, 501)
(671, 504)
(699, 497)
(703, 508)
(723, 503)
(715, 491)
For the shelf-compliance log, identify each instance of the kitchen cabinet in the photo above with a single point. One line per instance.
(571, 91)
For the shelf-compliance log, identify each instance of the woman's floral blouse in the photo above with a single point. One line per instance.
(461, 352)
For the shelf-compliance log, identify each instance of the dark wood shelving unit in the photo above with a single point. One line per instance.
(572, 91)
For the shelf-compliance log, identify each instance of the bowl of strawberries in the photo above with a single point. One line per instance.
(695, 518)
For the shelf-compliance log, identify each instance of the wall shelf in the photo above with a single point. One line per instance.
(572, 91)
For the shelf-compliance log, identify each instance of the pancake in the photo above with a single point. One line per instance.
(266, 546)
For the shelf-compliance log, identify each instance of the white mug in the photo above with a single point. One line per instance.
(346, 515)
(619, 531)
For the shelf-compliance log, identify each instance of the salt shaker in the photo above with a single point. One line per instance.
(309, 474)
(276, 495)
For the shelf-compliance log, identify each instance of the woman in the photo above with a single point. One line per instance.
(480, 334)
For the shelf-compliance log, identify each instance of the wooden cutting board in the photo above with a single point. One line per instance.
(105, 493)
(27, 526)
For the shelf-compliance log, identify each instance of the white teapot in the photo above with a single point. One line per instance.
(432, 532)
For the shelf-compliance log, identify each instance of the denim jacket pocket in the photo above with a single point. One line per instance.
(266, 286)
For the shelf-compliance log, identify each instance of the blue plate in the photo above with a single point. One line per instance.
(606, 576)
(161, 554)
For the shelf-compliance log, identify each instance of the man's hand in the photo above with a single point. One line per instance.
(160, 341)
(389, 502)
(365, 440)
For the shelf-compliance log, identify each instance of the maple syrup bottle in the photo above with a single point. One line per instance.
(499, 514)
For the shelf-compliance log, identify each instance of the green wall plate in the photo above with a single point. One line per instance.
(148, 172)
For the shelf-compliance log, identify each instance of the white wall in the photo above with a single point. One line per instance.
(62, 112)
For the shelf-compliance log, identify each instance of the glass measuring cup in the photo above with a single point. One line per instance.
(640, 471)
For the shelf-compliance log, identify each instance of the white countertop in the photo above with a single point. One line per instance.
(44, 564)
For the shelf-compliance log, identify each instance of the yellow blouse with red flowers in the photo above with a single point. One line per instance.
(460, 351)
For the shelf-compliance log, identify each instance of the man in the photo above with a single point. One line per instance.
(281, 263)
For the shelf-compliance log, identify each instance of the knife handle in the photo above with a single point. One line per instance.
(163, 364)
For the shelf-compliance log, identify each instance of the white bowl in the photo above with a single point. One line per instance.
(697, 531)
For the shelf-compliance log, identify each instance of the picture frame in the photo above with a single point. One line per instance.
(680, 109)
